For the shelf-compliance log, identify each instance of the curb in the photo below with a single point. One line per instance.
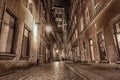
(76, 72)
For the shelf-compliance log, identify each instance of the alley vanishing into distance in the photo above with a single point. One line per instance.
(59, 39)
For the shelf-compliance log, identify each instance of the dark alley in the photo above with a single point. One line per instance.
(59, 39)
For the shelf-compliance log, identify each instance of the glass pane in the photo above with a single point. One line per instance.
(6, 33)
(91, 42)
(24, 48)
(26, 33)
(118, 27)
(81, 22)
(9, 40)
(4, 37)
(102, 47)
(12, 22)
(92, 52)
(6, 18)
(118, 39)
(25, 43)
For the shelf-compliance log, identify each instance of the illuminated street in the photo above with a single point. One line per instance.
(51, 71)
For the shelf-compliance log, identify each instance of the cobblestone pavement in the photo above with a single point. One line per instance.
(94, 72)
(51, 71)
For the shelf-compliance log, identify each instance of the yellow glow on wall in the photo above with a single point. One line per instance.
(35, 31)
(57, 51)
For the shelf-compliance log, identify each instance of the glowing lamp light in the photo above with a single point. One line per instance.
(48, 29)
(35, 31)
(57, 51)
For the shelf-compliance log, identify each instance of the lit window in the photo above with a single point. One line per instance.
(81, 23)
(87, 16)
(75, 19)
(91, 50)
(117, 37)
(7, 33)
(76, 32)
(25, 43)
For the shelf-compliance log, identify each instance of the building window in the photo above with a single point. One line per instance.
(87, 16)
(75, 20)
(99, 4)
(102, 47)
(117, 38)
(7, 32)
(76, 33)
(26, 42)
(96, 6)
(60, 15)
(91, 50)
(30, 6)
(40, 49)
(81, 23)
(60, 23)
(57, 16)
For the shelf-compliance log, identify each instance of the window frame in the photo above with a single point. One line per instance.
(99, 47)
(87, 16)
(12, 53)
(91, 45)
(28, 43)
(116, 40)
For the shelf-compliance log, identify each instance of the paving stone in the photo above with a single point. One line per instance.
(94, 72)
(52, 71)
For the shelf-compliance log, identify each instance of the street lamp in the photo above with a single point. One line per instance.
(48, 29)
(57, 51)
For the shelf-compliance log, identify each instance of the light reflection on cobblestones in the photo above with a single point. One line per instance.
(52, 71)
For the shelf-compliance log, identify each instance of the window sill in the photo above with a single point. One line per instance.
(24, 57)
(6, 56)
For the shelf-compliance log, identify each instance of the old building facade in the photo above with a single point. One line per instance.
(21, 24)
(98, 30)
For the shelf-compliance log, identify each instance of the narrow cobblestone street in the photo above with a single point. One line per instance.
(97, 72)
(59, 39)
(51, 71)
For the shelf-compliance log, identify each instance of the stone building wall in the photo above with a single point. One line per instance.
(100, 19)
(24, 17)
